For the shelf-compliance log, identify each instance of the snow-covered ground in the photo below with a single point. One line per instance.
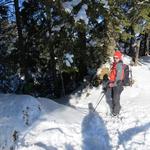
(27, 123)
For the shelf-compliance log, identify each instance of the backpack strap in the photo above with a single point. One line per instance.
(123, 74)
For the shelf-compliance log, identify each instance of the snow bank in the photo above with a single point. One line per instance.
(65, 128)
(17, 112)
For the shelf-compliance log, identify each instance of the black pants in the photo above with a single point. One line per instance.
(115, 94)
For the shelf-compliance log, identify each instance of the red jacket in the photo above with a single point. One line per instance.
(113, 72)
(116, 71)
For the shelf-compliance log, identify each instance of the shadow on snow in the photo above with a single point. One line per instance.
(94, 132)
(130, 133)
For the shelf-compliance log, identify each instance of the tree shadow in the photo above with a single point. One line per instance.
(129, 133)
(69, 147)
(94, 132)
(145, 59)
(45, 147)
(77, 93)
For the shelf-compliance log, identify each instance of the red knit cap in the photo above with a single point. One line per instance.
(118, 54)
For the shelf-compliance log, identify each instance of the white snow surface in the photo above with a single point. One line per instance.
(70, 4)
(28, 123)
(82, 14)
(68, 59)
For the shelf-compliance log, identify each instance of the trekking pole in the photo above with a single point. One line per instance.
(99, 102)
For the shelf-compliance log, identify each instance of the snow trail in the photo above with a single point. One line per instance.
(59, 127)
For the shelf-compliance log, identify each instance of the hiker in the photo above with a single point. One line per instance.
(115, 82)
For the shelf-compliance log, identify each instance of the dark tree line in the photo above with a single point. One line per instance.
(48, 47)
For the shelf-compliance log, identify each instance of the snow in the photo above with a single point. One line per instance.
(69, 5)
(82, 14)
(17, 112)
(100, 19)
(106, 5)
(68, 59)
(29, 123)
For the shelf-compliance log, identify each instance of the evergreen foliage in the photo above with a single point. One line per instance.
(48, 47)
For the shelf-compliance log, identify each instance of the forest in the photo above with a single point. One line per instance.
(48, 47)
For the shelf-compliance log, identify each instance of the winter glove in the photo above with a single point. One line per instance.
(104, 89)
(111, 85)
(105, 85)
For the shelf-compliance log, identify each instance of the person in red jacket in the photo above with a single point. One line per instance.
(115, 82)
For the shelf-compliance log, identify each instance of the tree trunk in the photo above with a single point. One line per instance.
(137, 48)
(20, 44)
(52, 61)
(131, 50)
(62, 84)
(110, 41)
(144, 48)
(147, 44)
(82, 54)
